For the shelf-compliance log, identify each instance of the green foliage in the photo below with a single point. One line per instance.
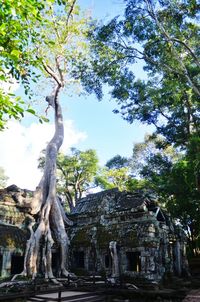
(174, 176)
(45, 37)
(164, 37)
(17, 20)
(75, 174)
(113, 178)
(117, 174)
(117, 162)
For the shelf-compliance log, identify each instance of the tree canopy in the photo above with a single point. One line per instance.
(170, 174)
(164, 37)
(30, 32)
(17, 31)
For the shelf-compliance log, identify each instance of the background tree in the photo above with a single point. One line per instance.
(3, 178)
(75, 174)
(163, 36)
(171, 175)
(115, 174)
(117, 162)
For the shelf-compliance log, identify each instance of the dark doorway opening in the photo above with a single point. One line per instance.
(92, 260)
(56, 264)
(108, 261)
(79, 261)
(17, 264)
(133, 261)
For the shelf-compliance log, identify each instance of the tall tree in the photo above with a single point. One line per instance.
(171, 175)
(164, 37)
(60, 43)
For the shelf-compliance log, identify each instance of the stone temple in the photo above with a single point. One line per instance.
(115, 234)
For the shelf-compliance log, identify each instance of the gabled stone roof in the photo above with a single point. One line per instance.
(111, 200)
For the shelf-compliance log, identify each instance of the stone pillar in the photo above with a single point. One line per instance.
(115, 259)
(6, 264)
(178, 259)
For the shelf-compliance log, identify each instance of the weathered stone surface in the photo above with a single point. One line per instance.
(10, 211)
(12, 234)
(148, 244)
(12, 237)
(146, 237)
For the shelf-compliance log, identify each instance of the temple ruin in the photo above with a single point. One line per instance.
(115, 234)
(148, 244)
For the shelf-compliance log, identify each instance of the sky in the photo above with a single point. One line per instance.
(89, 124)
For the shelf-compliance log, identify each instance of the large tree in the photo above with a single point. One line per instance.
(60, 43)
(171, 175)
(163, 36)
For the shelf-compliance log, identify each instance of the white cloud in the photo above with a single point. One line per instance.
(21, 147)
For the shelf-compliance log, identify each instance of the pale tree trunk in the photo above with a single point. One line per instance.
(51, 218)
(115, 259)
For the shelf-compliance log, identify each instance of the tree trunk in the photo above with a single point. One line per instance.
(50, 214)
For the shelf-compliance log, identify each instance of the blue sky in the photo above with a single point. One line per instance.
(89, 124)
(102, 9)
(107, 132)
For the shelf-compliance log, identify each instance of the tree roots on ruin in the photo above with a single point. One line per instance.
(45, 206)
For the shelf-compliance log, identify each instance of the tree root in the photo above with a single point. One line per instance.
(51, 218)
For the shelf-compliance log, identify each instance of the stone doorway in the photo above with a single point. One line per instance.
(17, 264)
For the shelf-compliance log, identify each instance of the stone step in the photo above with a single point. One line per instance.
(192, 296)
(87, 297)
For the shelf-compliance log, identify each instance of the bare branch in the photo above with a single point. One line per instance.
(170, 39)
(70, 11)
(50, 71)
(59, 70)
(188, 48)
(55, 27)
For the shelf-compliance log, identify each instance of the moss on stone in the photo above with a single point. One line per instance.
(105, 235)
(12, 237)
(130, 239)
(82, 237)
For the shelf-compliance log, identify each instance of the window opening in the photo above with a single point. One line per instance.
(133, 261)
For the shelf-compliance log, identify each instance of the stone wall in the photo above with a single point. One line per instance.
(148, 245)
